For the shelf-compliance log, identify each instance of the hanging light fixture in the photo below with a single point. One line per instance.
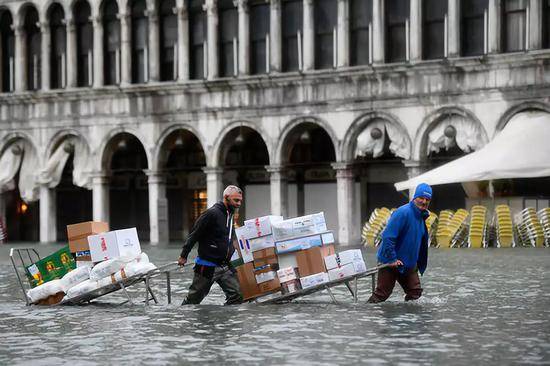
(68, 147)
(179, 141)
(122, 144)
(450, 132)
(239, 140)
(376, 133)
(305, 137)
(16, 149)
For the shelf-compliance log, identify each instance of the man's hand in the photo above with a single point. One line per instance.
(182, 261)
(396, 264)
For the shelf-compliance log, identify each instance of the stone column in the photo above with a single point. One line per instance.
(48, 222)
(20, 61)
(494, 26)
(45, 57)
(211, 9)
(275, 36)
(244, 36)
(414, 169)
(453, 26)
(70, 59)
(535, 24)
(378, 32)
(98, 77)
(343, 33)
(279, 190)
(100, 193)
(153, 45)
(158, 207)
(125, 49)
(183, 43)
(308, 44)
(214, 183)
(415, 33)
(348, 231)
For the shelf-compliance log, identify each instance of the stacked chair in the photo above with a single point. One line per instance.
(503, 226)
(445, 217)
(544, 217)
(455, 232)
(431, 225)
(372, 230)
(529, 228)
(478, 224)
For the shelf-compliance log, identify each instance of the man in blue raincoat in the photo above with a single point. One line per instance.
(404, 248)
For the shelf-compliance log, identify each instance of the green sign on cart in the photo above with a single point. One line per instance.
(54, 266)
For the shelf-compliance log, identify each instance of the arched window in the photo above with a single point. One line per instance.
(473, 27)
(33, 41)
(326, 21)
(84, 43)
(259, 34)
(397, 30)
(228, 36)
(168, 40)
(361, 30)
(7, 51)
(111, 43)
(197, 39)
(434, 15)
(514, 25)
(58, 46)
(140, 34)
(292, 24)
(546, 24)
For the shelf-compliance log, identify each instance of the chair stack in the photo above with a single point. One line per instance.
(431, 225)
(458, 227)
(504, 228)
(478, 223)
(445, 217)
(372, 230)
(529, 228)
(544, 217)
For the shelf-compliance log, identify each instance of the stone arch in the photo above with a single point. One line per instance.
(282, 148)
(215, 157)
(47, 6)
(11, 137)
(518, 108)
(157, 151)
(105, 155)
(22, 11)
(363, 122)
(431, 121)
(59, 136)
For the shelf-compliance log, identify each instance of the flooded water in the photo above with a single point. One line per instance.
(480, 307)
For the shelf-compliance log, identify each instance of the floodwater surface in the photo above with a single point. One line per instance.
(488, 306)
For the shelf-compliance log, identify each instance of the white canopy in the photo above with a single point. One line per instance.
(520, 150)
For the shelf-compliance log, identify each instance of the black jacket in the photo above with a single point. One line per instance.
(211, 231)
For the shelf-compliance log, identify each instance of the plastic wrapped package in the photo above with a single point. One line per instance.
(106, 268)
(82, 288)
(75, 277)
(43, 291)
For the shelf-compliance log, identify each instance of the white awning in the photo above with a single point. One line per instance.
(520, 150)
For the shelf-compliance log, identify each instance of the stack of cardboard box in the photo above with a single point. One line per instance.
(287, 255)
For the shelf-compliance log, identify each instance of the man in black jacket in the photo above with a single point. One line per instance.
(213, 231)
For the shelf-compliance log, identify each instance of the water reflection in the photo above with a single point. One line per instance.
(479, 307)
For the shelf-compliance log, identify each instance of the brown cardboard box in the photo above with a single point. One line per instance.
(78, 234)
(311, 261)
(291, 286)
(264, 257)
(247, 281)
(270, 286)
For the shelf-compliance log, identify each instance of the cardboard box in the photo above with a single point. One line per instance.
(314, 280)
(236, 259)
(291, 286)
(78, 234)
(311, 261)
(343, 258)
(304, 242)
(244, 244)
(346, 270)
(287, 260)
(265, 276)
(83, 256)
(264, 257)
(287, 274)
(54, 266)
(247, 281)
(269, 286)
(260, 243)
(114, 244)
(299, 226)
(261, 226)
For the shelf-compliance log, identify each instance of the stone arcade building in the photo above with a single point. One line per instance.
(138, 112)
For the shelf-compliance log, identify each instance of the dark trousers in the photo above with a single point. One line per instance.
(205, 277)
(409, 281)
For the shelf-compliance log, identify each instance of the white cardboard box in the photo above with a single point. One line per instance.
(244, 244)
(266, 276)
(114, 244)
(304, 242)
(343, 258)
(261, 226)
(347, 270)
(314, 280)
(287, 260)
(286, 274)
(299, 226)
(261, 243)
